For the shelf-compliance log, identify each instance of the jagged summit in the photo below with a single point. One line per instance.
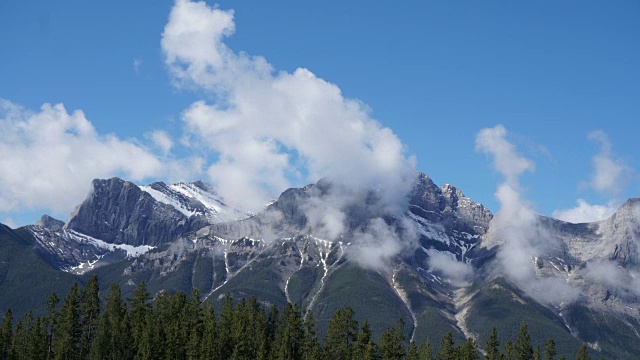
(48, 222)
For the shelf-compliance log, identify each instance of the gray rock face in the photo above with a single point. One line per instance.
(447, 205)
(50, 223)
(117, 211)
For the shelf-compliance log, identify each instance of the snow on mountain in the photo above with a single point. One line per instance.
(195, 199)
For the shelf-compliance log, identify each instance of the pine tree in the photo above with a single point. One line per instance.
(292, 334)
(509, 351)
(113, 336)
(209, 345)
(583, 354)
(140, 308)
(391, 343)
(550, 349)
(311, 347)
(52, 320)
(425, 352)
(66, 342)
(523, 348)
(536, 353)
(193, 315)
(362, 341)
(90, 312)
(447, 348)
(38, 345)
(492, 348)
(19, 346)
(469, 350)
(6, 335)
(224, 329)
(340, 335)
(412, 352)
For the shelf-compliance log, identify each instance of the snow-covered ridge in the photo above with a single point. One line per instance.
(132, 251)
(195, 199)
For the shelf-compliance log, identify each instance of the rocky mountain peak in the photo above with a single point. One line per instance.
(50, 223)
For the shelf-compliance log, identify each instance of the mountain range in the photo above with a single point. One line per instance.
(450, 270)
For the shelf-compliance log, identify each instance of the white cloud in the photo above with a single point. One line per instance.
(137, 63)
(455, 271)
(492, 141)
(515, 225)
(161, 140)
(609, 172)
(585, 212)
(49, 158)
(271, 130)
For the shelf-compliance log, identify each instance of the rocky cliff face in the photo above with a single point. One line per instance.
(118, 211)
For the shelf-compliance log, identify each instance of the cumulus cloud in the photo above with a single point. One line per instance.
(51, 156)
(609, 172)
(271, 130)
(516, 225)
(585, 212)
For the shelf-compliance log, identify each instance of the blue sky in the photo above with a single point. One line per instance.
(435, 73)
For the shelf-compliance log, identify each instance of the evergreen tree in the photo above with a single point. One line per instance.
(550, 349)
(6, 335)
(19, 346)
(38, 341)
(341, 334)
(292, 335)
(52, 320)
(492, 348)
(209, 345)
(509, 351)
(391, 343)
(193, 316)
(66, 342)
(311, 347)
(412, 352)
(523, 347)
(113, 335)
(224, 326)
(425, 352)
(447, 348)
(362, 342)
(583, 354)
(90, 312)
(140, 308)
(536, 353)
(469, 350)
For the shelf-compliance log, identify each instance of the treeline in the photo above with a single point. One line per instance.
(182, 327)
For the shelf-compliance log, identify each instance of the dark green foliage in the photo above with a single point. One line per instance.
(182, 327)
(391, 344)
(67, 334)
(523, 348)
(492, 348)
(447, 348)
(583, 354)
(550, 349)
(341, 335)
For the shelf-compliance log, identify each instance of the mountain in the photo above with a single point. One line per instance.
(448, 276)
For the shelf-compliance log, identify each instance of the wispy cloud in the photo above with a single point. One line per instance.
(610, 178)
(609, 172)
(516, 227)
(137, 63)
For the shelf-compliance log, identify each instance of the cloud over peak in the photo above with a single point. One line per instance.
(271, 130)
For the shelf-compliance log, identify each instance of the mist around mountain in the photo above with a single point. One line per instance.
(440, 262)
